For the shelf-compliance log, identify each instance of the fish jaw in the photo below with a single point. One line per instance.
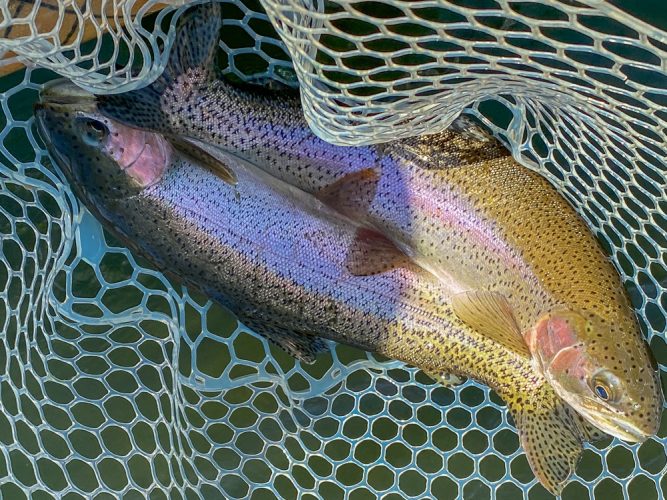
(618, 427)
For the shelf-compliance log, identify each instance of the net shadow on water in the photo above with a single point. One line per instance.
(115, 381)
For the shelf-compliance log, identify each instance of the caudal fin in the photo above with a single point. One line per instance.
(191, 63)
(551, 435)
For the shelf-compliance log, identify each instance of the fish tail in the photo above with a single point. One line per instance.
(551, 434)
(191, 64)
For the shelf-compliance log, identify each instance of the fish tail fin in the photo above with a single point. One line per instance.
(191, 63)
(551, 435)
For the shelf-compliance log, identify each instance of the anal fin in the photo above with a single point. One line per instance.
(444, 378)
(302, 346)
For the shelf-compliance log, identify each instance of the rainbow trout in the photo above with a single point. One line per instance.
(498, 235)
(290, 267)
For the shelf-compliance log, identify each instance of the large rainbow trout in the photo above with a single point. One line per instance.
(290, 267)
(498, 235)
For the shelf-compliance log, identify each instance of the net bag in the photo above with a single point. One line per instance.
(115, 382)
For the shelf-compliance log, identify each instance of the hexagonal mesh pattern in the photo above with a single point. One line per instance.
(63, 36)
(115, 382)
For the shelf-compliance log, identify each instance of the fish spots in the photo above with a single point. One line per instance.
(500, 225)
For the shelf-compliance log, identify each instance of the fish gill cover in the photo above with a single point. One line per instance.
(113, 380)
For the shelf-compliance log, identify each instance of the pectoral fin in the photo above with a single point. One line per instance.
(489, 313)
(550, 438)
(352, 194)
(372, 253)
(213, 164)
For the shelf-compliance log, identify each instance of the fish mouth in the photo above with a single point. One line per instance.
(63, 92)
(62, 96)
(40, 120)
(620, 428)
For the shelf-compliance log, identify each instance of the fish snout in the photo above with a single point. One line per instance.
(64, 97)
(628, 429)
(43, 121)
(60, 103)
(634, 433)
(63, 91)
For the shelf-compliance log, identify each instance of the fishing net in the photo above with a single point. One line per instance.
(116, 382)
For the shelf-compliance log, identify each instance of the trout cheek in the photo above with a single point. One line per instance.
(567, 375)
(145, 159)
(533, 337)
(125, 148)
(559, 336)
(554, 345)
(568, 362)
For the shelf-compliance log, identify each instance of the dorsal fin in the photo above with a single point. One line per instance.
(490, 314)
(463, 144)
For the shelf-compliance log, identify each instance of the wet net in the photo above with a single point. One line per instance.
(114, 382)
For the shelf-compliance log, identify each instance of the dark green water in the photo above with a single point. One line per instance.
(214, 357)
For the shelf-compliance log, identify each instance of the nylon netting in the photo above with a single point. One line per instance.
(115, 382)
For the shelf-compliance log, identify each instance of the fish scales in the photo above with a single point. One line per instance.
(518, 263)
(279, 258)
(267, 250)
(413, 194)
(274, 265)
(461, 207)
(489, 224)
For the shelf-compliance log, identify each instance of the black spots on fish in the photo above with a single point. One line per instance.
(549, 435)
(449, 149)
(535, 219)
(139, 108)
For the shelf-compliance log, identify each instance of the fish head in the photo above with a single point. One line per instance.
(102, 158)
(602, 369)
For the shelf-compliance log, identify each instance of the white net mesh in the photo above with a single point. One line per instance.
(65, 36)
(114, 382)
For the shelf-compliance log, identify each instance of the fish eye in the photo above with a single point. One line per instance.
(94, 131)
(601, 392)
(602, 385)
